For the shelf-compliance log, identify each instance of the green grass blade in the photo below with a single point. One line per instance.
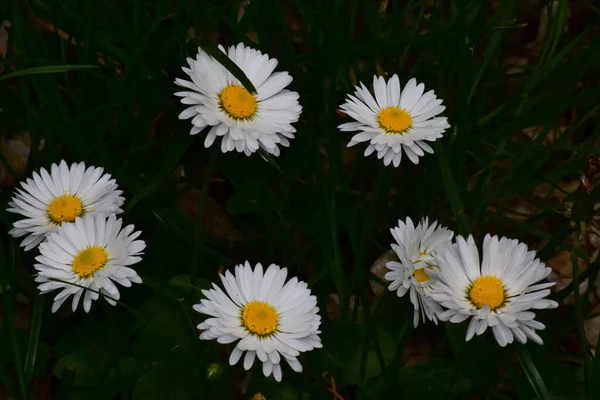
(206, 177)
(452, 190)
(593, 390)
(168, 163)
(34, 336)
(533, 375)
(48, 69)
(225, 61)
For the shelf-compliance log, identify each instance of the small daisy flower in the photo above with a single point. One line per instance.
(416, 248)
(49, 199)
(245, 121)
(394, 120)
(499, 292)
(92, 253)
(271, 320)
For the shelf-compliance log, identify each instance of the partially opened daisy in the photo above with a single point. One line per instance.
(416, 248)
(245, 121)
(91, 253)
(395, 120)
(50, 199)
(271, 320)
(499, 292)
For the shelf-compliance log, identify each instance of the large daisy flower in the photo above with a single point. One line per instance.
(91, 253)
(271, 320)
(245, 121)
(499, 292)
(394, 120)
(416, 249)
(49, 199)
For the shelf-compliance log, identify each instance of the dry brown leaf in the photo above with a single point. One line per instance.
(16, 152)
(379, 269)
(418, 351)
(333, 309)
(562, 273)
(552, 135)
(592, 328)
(215, 221)
(536, 46)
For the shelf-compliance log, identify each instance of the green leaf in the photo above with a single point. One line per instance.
(183, 282)
(373, 366)
(50, 69)
(34, 336)
(150, 386)
(593, 389)
(533, 375)
(87, 364)
(254, 197)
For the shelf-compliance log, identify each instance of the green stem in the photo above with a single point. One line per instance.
(579, 313)
(206, 177)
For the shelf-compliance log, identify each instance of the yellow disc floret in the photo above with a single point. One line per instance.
(237, 102)
(260, 318)
(421, 275)
(487, 291)
(65, 208)
(88, 261)
(394, 120)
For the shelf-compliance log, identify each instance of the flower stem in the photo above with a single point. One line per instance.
(206, 177)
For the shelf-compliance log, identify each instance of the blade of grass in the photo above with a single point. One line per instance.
(225, 61)
(34, 336)
(593, 389)
(206, 177)
(452, 190)
(533, 375)
(168, 163)
(579, 314)
(8, 300)
(48, 69)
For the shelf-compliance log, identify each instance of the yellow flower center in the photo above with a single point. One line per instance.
(237, 102)
(258, 396)
(260, 318)
(487, 291)
(65, 208)
(88, 261)
(421, 275)
(394, 120)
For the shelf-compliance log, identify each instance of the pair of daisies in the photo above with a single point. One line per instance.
(447, 280)
(70, 215)
(393, 121)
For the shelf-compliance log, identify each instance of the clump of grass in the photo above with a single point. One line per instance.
(93, 81)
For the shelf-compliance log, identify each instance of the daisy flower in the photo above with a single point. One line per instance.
(91, 253)
(245, 121)
(49, 199)
(271, 320)
(395, 120)
(499, 292)
(416, 248)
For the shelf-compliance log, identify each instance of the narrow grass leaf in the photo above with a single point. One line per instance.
(533, 375)
(225, 61)
(48, 69)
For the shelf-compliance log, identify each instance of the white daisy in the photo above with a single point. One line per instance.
(271, 320)
(416, 249)
(93, 253)
(394, 120)
(49, 199)
(497, 293)
(244, 120)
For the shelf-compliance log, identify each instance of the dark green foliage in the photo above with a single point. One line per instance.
(320, 210)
